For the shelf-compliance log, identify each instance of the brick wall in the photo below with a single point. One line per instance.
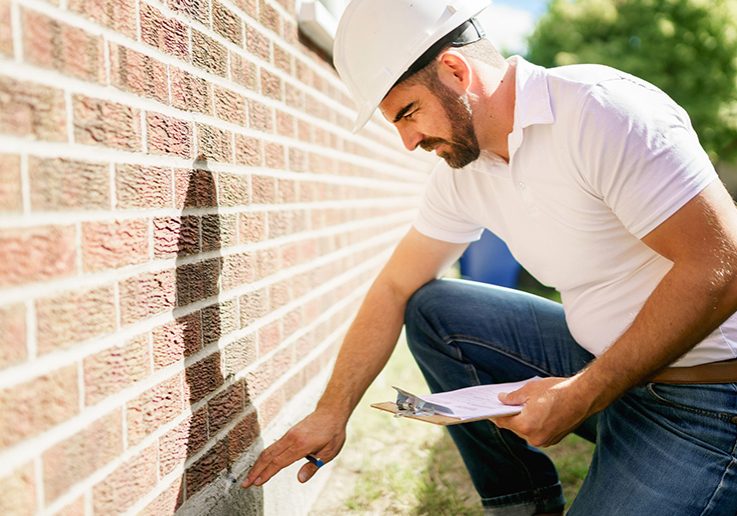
(187, 225)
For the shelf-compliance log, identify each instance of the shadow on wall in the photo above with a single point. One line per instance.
(224, 426)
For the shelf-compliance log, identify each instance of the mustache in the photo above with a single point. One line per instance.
(429, 144)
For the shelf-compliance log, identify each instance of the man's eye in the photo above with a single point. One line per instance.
(409, 116)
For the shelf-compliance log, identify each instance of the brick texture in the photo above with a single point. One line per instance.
(153, 408)
(74, 317)
(12, 334)
(58, 184)
(138, 73)
(11, 199)
(32, 111)
(167, 34)
(109, 245)
(120, 490)
(167, 135)
(143, 187)
(82, 454)
(99, 122)
(6, 34)
(35, 406)
(118, 15)
(147, 295)
(108, 372)
(19, 492)
(36, 254)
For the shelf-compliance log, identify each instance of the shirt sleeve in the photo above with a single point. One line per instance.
(440, 215)
(639, 153)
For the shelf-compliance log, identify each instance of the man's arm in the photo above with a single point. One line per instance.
(691, 301)
(365, 350)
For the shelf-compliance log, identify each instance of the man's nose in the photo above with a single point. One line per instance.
(410, 138)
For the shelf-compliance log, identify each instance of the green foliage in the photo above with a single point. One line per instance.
(688, 48)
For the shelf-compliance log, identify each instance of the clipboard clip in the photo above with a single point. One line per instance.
(410, 405)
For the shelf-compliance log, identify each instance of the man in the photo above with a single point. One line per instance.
(596, 181)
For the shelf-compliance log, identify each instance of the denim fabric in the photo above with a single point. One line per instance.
(661, 449)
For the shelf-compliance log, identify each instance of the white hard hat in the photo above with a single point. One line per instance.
(377, 41)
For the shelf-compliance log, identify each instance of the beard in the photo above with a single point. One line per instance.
(463, 147)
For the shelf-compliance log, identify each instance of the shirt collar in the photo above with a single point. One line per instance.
(531, 102)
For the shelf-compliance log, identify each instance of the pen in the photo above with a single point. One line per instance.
(315, 460)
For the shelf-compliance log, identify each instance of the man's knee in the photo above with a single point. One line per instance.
(424, 306)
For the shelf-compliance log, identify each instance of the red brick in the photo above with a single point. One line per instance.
(296, 98)
(219, 231)
(167, 34)
(177, 339)
(260, 116)
(6, 34)
(179, 444)
(35, 406)
(60, 184)
(239, 354)
(230, 106)
(53, 44)
(234, 190)
(99, 122)
(176, 236)
(167, 135)
(250, 7)
(219, 320)
(258, 44)
(127, 484)
(119, 15)
(224, 407)
(154, 408)
(147, 295)
(138, 73)
(270, 84)
(263, 189)
(197, 9)
(11, 199)
(73, 317)
(283, 59)
(243, 71)
(279, 224)
(267, 261)
(269, 337)
(195, 189)
(238, 269)
(110, 245)
(19, 492)
(143, 187)
(189, 92)
(205, 470)
(274, 154)
(227, 23)
(242, 436)
(248, 151)
(12, 334)
(285, 124)
(203, 378)
(213, 143)
(114, 369)
(269, 408)
(36, 254)
(77, 457)
(32, 111)
(253, 306)
(269, 17)
(208, 54)
(197, 281)
(168, 501)
(252, 227)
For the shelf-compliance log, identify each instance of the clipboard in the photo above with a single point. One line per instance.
(390, 406)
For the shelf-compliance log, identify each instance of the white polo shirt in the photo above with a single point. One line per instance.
(598, 159)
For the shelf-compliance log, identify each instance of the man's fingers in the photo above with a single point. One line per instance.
(257, 474)
(518, 397)
(306, 472)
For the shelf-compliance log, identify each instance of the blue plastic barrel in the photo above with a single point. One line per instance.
(488, 260)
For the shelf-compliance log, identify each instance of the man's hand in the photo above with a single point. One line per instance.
(318, 434)
(553, 408)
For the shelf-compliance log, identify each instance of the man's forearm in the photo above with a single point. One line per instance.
(366, 349)
(688, 304)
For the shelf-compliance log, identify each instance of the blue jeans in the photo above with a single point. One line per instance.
(667, 450)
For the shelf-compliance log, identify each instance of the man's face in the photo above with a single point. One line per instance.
(438, 120)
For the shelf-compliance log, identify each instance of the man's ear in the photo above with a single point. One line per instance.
(454, 70)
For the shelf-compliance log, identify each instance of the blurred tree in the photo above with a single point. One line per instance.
(688, 48)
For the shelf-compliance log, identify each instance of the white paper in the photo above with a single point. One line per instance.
(478, 401)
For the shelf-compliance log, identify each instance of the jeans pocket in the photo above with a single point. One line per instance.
(711, 400)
